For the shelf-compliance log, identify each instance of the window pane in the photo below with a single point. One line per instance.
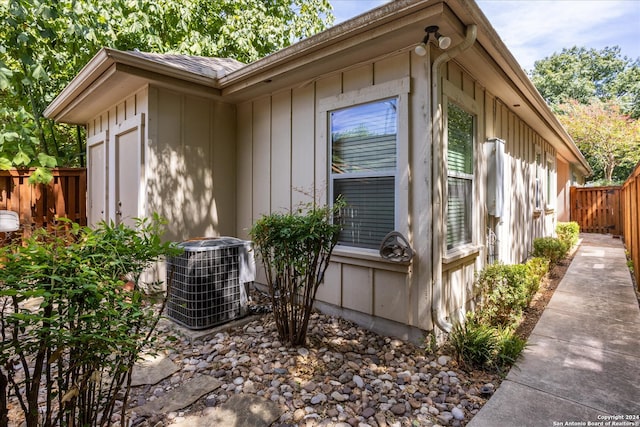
(363, 138)
(460, 130)
(369, 214)
(459, 211)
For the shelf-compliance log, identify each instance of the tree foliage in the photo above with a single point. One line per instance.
(587, 75)
(609, 139)
(44, 44)
(596, 94)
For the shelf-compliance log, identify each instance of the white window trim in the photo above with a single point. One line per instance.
(538, 180)
(400, 90)
(451, 94)
(551, 184)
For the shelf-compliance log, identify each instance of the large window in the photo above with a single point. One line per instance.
(460, 146)
(363, 170)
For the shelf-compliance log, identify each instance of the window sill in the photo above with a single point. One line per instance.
(461, 253)
(366, 258)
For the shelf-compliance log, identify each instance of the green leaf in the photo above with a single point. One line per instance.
(39, 73)
(41, 176)
(8, 136)
(5, 164)
(21, 158)
(5, 75)
(47, 161)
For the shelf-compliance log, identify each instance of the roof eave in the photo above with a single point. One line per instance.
(105, 64)
(99, 64)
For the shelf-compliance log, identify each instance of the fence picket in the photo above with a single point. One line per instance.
(40, 205)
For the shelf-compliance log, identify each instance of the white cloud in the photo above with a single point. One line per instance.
(533, 30)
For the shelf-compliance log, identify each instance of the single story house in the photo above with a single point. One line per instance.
(451, 146)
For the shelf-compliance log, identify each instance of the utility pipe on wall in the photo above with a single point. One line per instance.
(437, 169)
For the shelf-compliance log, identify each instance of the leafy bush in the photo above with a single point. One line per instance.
(550, 247)
(474, 343)
(537, 268)
(568, 232)
(482, 346)
(505, 291)
(295, 250)
(509, 347)
(69, 326)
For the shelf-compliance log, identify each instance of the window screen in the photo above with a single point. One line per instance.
(460, 129)
(363, 170)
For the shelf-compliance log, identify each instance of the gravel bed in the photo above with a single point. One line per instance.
(344, 376)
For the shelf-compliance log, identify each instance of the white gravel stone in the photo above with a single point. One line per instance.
(318, 398)
(357, 379)
(443, 360)
(457, 413)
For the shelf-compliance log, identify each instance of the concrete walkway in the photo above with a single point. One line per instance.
(582, 364)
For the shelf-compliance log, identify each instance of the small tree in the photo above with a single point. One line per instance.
(609, 140)
(70, 329)
(295, 250)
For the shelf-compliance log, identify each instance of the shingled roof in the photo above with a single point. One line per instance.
(204, 66)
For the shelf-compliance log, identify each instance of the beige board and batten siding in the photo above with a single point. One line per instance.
(520, 223)
(282, 163)
(191, 180)
(189, 173)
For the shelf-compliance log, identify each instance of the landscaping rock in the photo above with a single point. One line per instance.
(344, 375)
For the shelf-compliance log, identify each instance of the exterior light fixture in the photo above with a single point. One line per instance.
(443, 41)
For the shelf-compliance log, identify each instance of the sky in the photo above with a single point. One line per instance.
(536, 29)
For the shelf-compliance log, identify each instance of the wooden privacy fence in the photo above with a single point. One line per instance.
(40, 205)
(630, 196)
(597, 209)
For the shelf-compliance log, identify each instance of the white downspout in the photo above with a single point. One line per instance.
(437, 170)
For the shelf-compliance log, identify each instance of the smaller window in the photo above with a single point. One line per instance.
(460, 131)
(538, 181)
(551, 181)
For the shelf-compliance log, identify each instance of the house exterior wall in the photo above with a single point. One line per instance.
(188, 160)
(282, 163)
(522, 221)
(191, 162)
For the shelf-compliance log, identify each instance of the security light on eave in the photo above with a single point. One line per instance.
(443, 41)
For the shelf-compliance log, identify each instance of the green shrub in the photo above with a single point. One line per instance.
(482, 346)
(537, 268)
(295, 250)
(505, 291)
(509, 347)
(83, 329)
(550, 247)
(568, 232)
(474, 343)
